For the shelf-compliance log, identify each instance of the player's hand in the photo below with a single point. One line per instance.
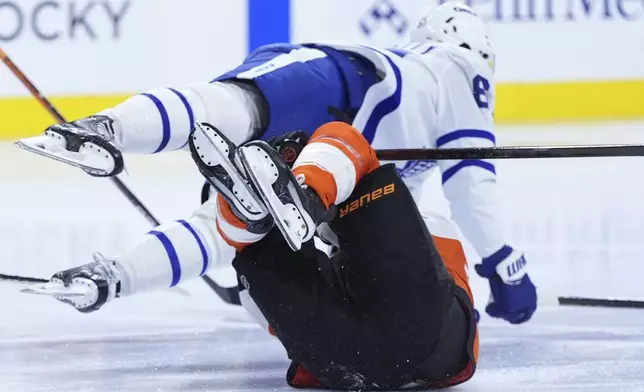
(513, 297)
(88, 143)
(90, 286)
(289, 145)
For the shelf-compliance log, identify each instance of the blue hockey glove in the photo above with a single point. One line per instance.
(513, 296)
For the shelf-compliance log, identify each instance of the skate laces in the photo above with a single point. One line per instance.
(105, 267)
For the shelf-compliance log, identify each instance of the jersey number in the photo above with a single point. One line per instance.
(481, 88)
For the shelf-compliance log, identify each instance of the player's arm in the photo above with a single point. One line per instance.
(465, 121)
(166, 256)
(152, 122)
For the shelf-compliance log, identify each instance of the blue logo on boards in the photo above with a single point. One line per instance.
(386, 12)
(383, 12)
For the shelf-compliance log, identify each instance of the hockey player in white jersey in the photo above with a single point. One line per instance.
(437, 91)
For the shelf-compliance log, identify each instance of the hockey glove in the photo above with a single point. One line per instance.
(88, 287)
(289, 145)
(88, 143)
(513, 297)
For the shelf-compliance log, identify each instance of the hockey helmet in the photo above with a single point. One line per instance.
(455, 23)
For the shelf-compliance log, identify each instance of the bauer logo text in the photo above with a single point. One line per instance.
(365, 199)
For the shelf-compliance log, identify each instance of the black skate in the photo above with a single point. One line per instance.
(217, 160)
(296, 209)
(88, 143)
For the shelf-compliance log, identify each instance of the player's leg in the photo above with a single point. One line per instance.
(152, 122)
(187, 248)
(324, 175)
(255, 100)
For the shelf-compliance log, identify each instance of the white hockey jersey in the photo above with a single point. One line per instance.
(436, 95)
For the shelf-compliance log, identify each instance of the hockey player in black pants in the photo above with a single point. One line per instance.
(385, 311)
(386, 306)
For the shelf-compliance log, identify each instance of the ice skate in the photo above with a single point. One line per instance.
(217, 159)
(88, 143)
(296, 208)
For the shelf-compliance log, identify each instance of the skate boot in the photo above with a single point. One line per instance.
(296, 208)
(324, 175)
(217, 159)
(89, 143)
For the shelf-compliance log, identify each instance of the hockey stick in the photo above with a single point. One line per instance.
(231, 293)
(601, 302)
(519, 152)
(21, 279)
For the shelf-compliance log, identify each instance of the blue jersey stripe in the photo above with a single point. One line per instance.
(202, 247)
(386, 106)
(463, 133)
(191, 115)
(269, 22)
(449, 173)
(399, 52)
(165, 121)
(172, 255)
(429, 49)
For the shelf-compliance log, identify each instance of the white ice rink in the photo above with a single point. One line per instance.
(582, 226)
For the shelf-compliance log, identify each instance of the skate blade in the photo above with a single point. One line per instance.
(211, 142)
(56, 290)
(43, 146)
(252, 159)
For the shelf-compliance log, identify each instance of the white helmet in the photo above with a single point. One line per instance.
(458, 24)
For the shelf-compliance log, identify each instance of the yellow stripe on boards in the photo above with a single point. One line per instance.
(24, 116)
(516, 103)
(545, 103)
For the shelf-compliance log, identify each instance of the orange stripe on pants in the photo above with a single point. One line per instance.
(453, 256)
(350, 142)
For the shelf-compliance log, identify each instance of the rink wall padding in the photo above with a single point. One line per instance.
(517, 103)
(25, 116)
(556, 61)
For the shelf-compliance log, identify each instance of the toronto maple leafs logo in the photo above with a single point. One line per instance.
(383, 12)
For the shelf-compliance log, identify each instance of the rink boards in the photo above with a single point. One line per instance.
(551, 64)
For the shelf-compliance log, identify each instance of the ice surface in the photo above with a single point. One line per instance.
(165, 342)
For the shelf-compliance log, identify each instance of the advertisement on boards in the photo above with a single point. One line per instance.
(557, 60)
(92, 54)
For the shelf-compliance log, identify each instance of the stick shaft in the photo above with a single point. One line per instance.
(31, 87)
(601, 302)
(530, 152)
(21, 279)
